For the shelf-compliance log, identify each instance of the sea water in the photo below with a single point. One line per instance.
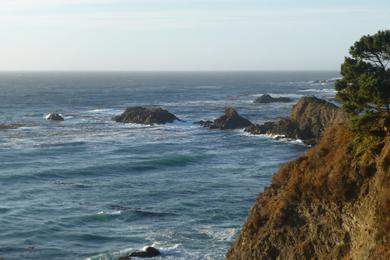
(90, 188)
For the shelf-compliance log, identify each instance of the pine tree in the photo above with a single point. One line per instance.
(364, 88)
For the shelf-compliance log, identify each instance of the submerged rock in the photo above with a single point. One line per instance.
(307, 121)
(230, 120)
(54, 117)
(265, 99)
(146, 115)
(11, 126)
(147, 253)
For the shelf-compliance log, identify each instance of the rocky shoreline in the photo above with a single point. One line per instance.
(307, 121)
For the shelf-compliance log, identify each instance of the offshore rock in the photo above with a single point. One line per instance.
(54, 117)
(266, 99)
(148, 253)
(146, 115)
(230, 120)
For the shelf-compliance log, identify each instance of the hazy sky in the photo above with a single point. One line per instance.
(184, 34)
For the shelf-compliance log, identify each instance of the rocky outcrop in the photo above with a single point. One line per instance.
(54, 117)
(307, 121)
(331, 203)
(266, 99)
(147, 253)
(230, 120)
(146, 115)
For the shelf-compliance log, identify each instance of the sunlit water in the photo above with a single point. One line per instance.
(92, 188)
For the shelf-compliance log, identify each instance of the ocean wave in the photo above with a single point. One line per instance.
(109, 213)
(324, 90)
(152, 214)
(291, 95)
(208, 87)
(276, 137)
(324, 81)
(104, 111)
(219, 234)
(170, 160)
(197, 103)
(59, 144)
(167, 250)
(141, 126)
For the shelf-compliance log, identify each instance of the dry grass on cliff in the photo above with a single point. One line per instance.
(349, 173)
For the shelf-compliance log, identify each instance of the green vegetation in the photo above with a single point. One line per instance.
(365, 85)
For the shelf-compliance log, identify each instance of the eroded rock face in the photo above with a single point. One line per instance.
(54, 117)
(146, 115)
(327, 204)
(265, 99)
(307, 121)
(230, 120)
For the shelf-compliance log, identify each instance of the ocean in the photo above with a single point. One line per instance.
(91, 188)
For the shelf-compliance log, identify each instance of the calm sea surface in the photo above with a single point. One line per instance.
(92, 188)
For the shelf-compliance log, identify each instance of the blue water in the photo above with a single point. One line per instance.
(92, 188)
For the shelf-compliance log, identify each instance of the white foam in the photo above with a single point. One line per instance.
(219, 234)
(110, 213)
(166, 250)
(281, 138)
(48, 116)
(324, 90)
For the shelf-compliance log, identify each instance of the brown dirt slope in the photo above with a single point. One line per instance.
(328, 204)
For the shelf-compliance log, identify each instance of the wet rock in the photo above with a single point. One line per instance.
(146, 115)
(266, 99)
(147, 253)
(230, 120)
(54, 117)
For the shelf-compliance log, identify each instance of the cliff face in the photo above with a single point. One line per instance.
(331, 203)
(314, 115)
(307, 121)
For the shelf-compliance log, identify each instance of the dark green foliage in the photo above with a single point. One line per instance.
(365, 85)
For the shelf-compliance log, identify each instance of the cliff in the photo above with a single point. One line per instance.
(307, 121)
(331, 203)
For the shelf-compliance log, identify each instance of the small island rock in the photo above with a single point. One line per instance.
(230, 120)
(266, 99)
(146, 115)
(54, 117)
(147, 253)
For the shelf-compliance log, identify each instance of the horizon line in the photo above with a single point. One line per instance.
(162, 71)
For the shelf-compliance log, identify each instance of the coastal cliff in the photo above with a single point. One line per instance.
(307, 121)
(331, 203)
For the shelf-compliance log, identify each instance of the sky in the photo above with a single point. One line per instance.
(174, 35)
